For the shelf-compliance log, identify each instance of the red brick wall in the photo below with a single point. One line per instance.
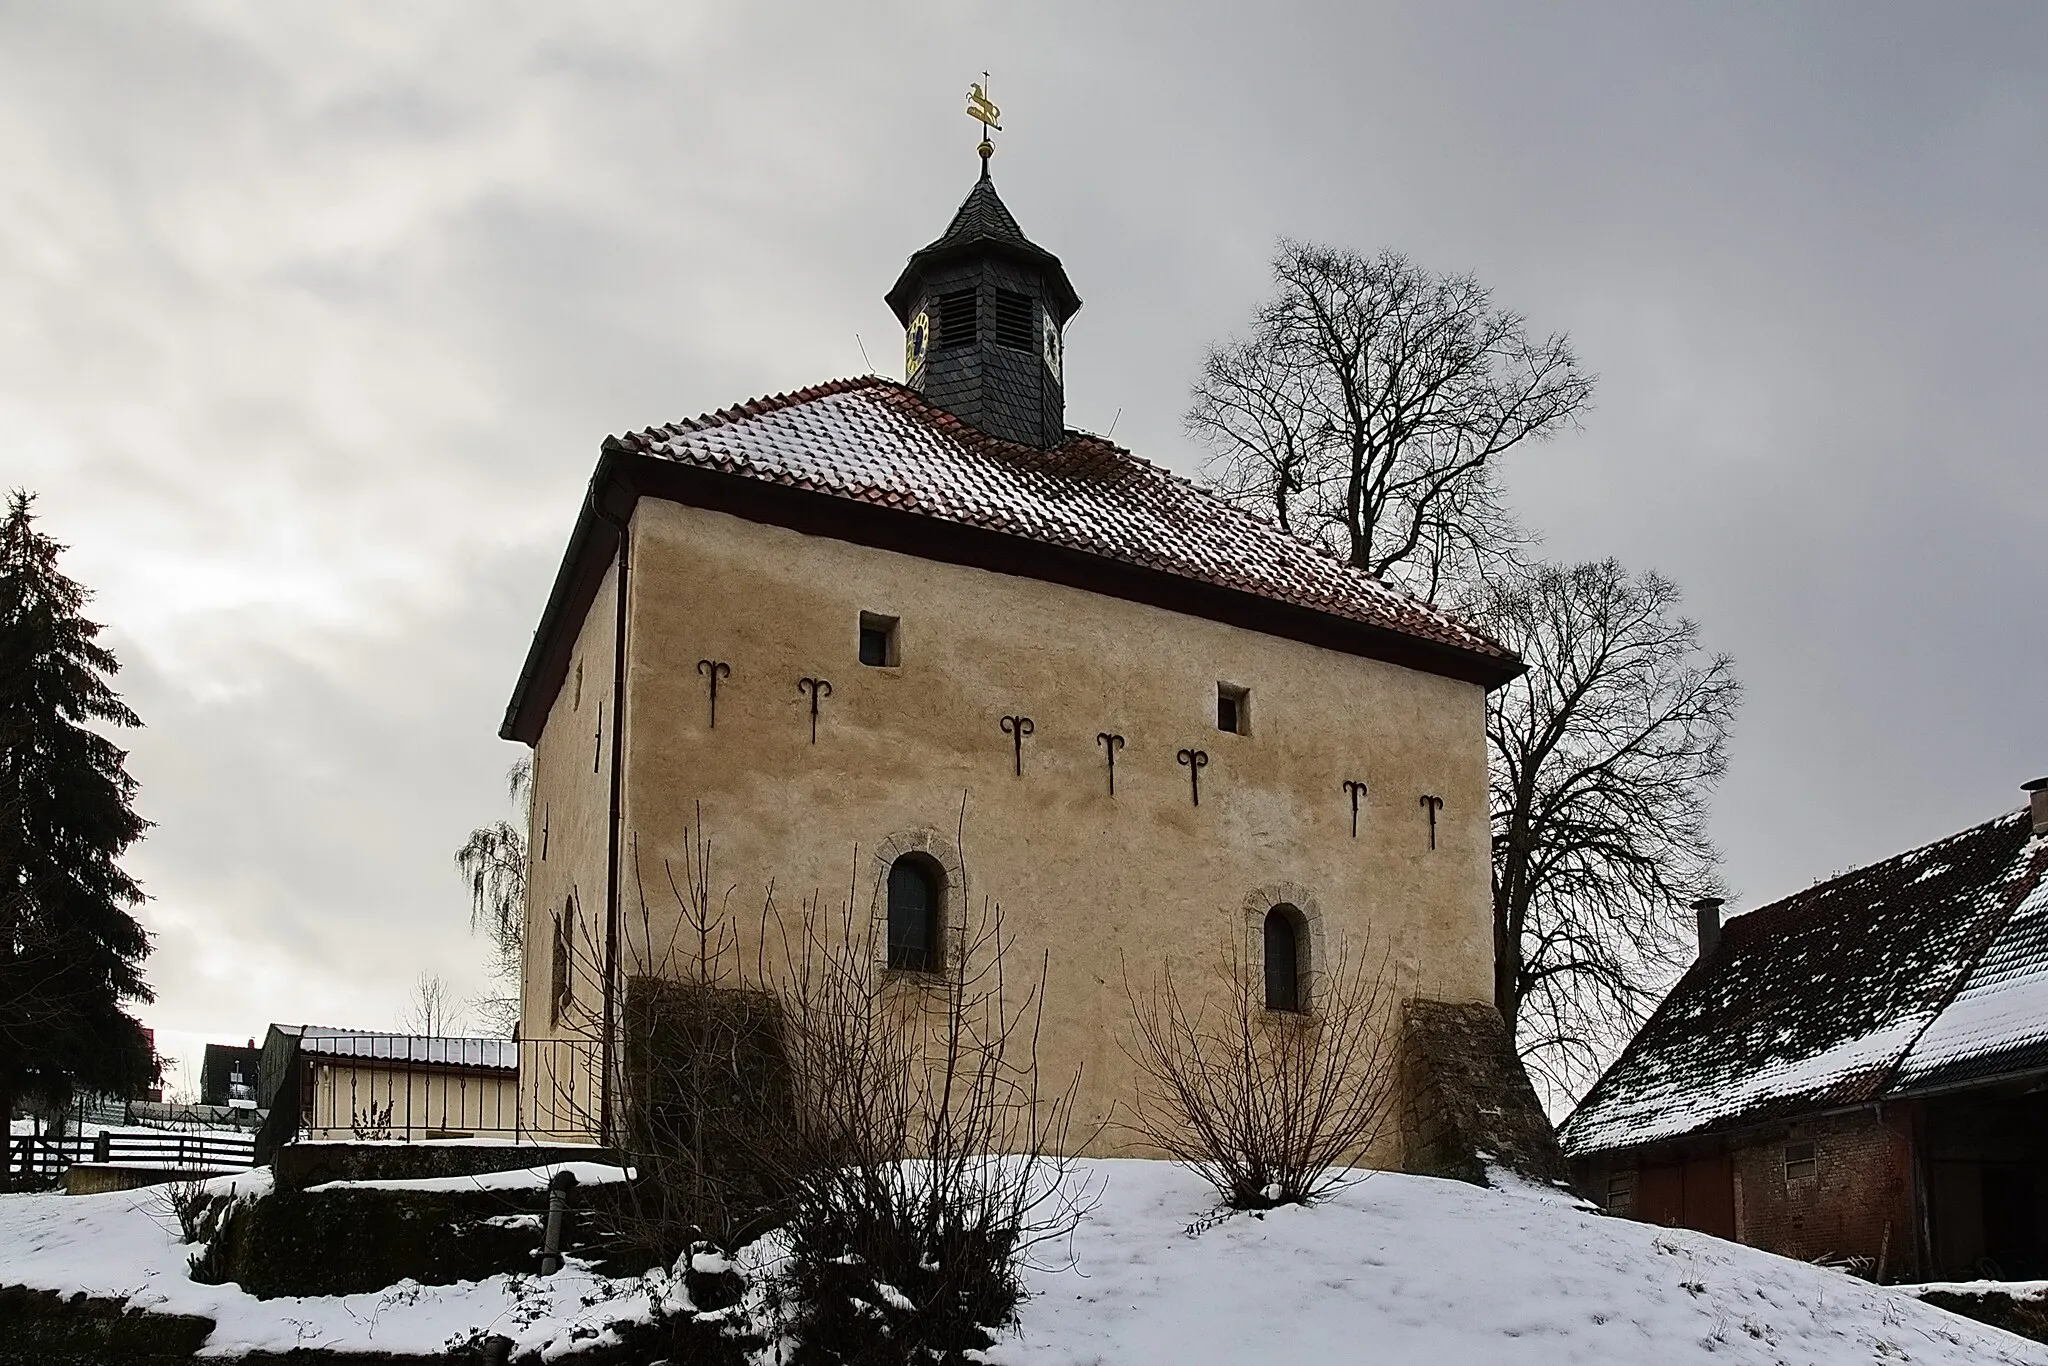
(1857, 1205)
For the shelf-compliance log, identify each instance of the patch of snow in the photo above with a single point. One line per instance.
(1405, 1268)
(526, 1178)
(2019, 1290)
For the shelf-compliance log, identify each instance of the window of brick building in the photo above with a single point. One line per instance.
(1800, 1162)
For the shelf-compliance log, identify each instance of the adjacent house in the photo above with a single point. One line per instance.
(228, 1074)
(1856, 1072)
(319, 1082)
(920, 648)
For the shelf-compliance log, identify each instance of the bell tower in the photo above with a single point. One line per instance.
(984, 310)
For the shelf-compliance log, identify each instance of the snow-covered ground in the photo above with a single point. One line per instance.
(1395, 1268)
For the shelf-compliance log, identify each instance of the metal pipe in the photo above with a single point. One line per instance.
(559, 1187)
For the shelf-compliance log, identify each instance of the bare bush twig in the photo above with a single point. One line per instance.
(1267, 1106)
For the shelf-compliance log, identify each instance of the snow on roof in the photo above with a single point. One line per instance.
(496, 1054)
(1998, 1022)
(880, 442)
(1929, 962)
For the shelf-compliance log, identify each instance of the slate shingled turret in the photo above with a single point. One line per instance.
(984, 309)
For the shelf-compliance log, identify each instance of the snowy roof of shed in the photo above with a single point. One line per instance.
(1924, 969)
(501, 1055)
(870, 460)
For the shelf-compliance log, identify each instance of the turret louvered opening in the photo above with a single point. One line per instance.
(957, 319)
(1013, 320)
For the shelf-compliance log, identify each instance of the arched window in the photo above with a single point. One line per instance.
(913, 914)
(1283, 958)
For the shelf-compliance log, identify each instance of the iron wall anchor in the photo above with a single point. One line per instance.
(1357, 790)
(715, 669)
(1110, 743)
(1017, 727)
(817, 688)
(1194, 760)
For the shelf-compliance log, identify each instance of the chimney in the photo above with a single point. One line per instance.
(1708, 911)
(2037, 803)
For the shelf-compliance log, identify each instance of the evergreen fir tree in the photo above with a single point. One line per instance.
(70, 949)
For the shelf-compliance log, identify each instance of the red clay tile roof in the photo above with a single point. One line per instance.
(1860, 987)
(879, 442)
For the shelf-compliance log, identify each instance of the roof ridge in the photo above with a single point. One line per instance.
(759, 406)
(1850, 875)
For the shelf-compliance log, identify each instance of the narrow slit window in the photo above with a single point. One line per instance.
(1233, 709)
(957, 319)
(1800, 1161)
(1283, 959)
(1013, 321)
(877, 640)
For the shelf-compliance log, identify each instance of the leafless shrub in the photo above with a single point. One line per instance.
(1267, 1106)
(372, 1122)
(789, 1078)
(933, 1161)
(202, 1215)
(186, 1203)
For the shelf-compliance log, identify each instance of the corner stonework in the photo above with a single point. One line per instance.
(1467, 1106)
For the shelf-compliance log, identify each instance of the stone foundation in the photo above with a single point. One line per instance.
(1466, 1102)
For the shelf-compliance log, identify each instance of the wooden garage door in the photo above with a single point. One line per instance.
(1710, 1196)
(1698, 1194)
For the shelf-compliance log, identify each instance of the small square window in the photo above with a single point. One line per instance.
(877, 640)
(1233, 709)
(1800, 1161)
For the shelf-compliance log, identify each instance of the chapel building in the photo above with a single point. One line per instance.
(920, 647)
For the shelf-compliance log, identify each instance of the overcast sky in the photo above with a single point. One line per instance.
(312, 319)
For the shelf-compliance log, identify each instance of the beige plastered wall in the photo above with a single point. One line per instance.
(567, 855)
(358, 1099)
(1090, 886)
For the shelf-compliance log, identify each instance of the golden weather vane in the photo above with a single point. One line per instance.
(981, 109)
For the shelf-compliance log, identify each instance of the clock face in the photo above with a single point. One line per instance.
(916, 341)
(1049, 339)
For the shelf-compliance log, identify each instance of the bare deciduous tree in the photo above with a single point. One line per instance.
(492, 862)
(1603, 754)
(1369, 408)
(431, 1010)
(1268, 1106)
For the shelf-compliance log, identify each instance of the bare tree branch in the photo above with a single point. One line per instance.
(1370, 406)
(1603, 756)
